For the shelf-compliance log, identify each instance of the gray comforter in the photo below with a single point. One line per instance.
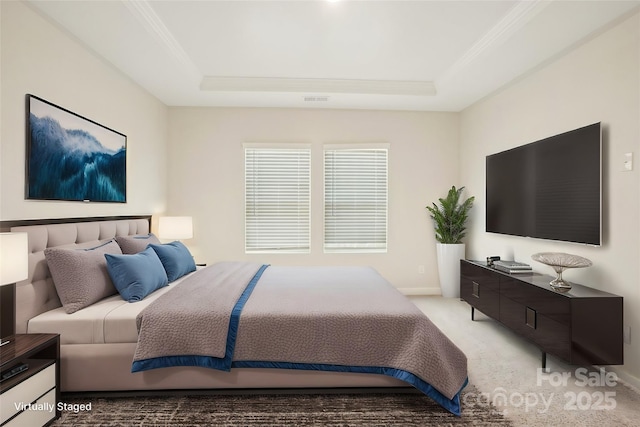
(324, 316)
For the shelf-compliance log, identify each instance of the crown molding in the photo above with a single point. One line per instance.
(517, 17)
(144, 13)
(321, 86)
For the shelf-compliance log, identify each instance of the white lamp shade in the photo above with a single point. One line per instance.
(14, 257)
(175, 227)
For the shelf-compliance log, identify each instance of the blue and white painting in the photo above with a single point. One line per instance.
(73, 158)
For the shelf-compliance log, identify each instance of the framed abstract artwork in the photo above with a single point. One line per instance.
(70, 157)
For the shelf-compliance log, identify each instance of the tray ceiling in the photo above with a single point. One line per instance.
(398, 55)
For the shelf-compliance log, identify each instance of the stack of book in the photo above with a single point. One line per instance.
(512, 267)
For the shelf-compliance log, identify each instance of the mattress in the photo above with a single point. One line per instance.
(112, 320)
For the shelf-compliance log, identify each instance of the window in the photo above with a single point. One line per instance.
(355, 198)
(277, 185)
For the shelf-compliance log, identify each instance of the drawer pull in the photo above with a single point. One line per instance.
(476, 290)
(531, 317)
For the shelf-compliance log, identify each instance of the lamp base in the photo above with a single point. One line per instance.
(7, 311)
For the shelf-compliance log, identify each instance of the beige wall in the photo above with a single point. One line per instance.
(206, 180)
(596, 82)
(37, 58)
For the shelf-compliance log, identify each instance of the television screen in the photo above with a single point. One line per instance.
(549, 189)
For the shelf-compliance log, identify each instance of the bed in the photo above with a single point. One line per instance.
(101, 340)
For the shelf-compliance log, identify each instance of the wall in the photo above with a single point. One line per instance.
(206, 180)
(37, 58)
(598, 81)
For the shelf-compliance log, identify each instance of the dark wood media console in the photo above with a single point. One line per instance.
(582, 326)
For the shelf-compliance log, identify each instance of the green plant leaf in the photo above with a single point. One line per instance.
(450, 216)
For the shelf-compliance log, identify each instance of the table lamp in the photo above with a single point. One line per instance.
(175, 227)
(14, 267)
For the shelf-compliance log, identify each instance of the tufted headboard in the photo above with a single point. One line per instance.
(37, 293)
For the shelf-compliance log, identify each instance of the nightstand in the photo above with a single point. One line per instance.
(30, 398)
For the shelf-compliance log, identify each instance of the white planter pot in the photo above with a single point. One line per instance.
(449, 256)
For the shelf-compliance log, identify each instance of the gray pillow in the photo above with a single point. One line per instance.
(80, 275)
(133, 244)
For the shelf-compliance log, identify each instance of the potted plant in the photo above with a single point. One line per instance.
(450, 218)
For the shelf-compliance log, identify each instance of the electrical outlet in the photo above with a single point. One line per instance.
(421, 269)
(628, 162)
(627, 335)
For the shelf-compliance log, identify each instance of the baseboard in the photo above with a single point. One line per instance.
(420, 291)
(626, 378)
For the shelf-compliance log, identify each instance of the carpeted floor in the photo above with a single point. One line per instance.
(506, 369)
(278, 410)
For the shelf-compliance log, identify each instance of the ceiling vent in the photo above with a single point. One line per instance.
(316, 98)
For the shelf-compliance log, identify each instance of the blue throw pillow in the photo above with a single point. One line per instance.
(176, 259)
(136, 276)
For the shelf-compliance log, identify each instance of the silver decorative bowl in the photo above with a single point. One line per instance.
(560, 262)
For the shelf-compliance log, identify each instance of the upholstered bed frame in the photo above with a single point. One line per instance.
(107, 367)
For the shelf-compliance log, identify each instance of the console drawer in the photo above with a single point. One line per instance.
(550, 335)
(547, 303)
(480, 275)
(481, 297)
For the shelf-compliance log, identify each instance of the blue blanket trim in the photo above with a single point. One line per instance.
(451, 405)
(222, 364)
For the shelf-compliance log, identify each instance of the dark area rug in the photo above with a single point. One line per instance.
(379, 409)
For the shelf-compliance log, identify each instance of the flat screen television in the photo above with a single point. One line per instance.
(548, 189)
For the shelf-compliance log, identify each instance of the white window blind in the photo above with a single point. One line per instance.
(355, 199)
(277, 182)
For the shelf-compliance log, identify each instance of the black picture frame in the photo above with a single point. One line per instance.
(72, 158)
